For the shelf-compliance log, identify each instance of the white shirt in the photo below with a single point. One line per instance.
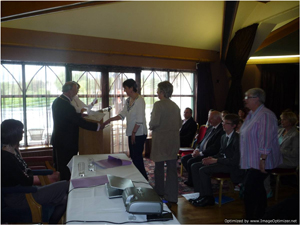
(135, 114)
(78, 104)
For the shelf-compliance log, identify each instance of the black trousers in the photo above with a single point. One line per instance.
(202, 176)
(255, 196)
(62, 156)
(136, 153)
(187, 161)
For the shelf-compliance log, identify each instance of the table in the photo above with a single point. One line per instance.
(93, 204)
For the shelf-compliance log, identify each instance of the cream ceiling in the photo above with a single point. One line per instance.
(192, 24)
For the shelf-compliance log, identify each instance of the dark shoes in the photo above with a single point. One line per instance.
(203, 201)
(187, 183)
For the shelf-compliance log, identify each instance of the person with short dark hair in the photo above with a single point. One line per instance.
(136, 130)
(165, 124)
(243, 112)
(14, 172)
(226, 161)
(66, 129)
(188, 129)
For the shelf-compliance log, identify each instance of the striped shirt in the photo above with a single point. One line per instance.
(258, 135)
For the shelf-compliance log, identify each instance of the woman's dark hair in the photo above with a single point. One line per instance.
(131, 84)
(11, 132)
(245, 110)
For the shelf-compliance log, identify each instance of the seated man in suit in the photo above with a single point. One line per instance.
(226, 161)
(209, 146)
(188, 129)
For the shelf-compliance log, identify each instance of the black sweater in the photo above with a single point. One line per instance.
(14, 172)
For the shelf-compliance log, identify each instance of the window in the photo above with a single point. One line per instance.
(183, 89)
(28, 90)
(90, 87)
(27, 93)
(149, 82)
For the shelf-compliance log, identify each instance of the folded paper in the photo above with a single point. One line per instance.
(112, 162)
(89, 181)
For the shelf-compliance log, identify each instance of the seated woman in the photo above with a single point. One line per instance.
(288, 137)
(243, 113)
(14, 172)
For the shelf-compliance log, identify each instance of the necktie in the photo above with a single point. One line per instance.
(227, 140)
(205, 140)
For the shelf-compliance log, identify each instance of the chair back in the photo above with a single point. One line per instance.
(36, 134)
(202, 131)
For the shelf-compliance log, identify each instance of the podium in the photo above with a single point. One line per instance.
(91, 142)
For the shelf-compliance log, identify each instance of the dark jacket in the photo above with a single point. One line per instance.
(214, 143)
(66, 126)
(187, 132)
(229, 155)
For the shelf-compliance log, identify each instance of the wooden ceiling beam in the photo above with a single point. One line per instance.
(11, 10)
(280, 33)
(230, 11)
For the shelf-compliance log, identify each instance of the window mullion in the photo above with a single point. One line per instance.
(24, 104)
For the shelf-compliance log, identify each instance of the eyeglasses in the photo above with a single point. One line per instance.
(247, 97)
(225, 123)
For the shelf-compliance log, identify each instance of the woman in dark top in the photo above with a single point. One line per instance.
(14, 172)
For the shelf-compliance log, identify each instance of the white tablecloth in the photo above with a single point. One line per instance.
(93, 204)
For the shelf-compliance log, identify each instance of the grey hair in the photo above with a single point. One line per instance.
(258, 92)
(68, 86)
(166, 87)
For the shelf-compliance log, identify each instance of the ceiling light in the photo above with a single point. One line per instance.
(274, 59)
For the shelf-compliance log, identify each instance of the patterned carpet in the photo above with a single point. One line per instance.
(182, 188)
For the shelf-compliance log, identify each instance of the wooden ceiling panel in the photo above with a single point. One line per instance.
(11, 10)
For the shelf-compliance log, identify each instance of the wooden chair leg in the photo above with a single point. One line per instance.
(36, 209)
(181, 168)
(220, 192)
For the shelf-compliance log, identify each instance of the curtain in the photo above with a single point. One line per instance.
(237, 57)
(281, 84)
(204, 92)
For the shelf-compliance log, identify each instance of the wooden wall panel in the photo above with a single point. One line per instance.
(25, 45)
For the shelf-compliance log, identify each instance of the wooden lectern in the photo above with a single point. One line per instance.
(91, 142)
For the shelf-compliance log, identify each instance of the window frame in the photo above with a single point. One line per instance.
(105, 70)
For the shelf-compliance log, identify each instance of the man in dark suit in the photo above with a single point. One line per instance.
(209, 146)
(226, 161)
(66, 129)
(188, 129)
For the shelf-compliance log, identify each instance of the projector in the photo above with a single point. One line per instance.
(139, 200)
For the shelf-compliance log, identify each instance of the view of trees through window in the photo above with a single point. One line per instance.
(27, 93)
